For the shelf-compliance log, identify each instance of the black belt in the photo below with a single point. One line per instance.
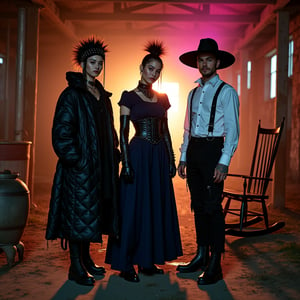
(207, 138)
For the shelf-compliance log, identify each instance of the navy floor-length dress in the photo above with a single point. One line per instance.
(149, 222)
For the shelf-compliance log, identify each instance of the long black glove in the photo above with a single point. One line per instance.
(127, 171)
(168, 142)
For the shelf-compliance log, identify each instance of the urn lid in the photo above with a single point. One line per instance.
(10, 184)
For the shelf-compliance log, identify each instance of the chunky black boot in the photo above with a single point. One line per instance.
(87, 261)
(150, 271)
(198, 262)
(213, 272)
(77, 272)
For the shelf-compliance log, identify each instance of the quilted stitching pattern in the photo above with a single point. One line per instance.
(75, 199)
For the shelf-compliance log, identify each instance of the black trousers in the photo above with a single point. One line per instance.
(206, 196)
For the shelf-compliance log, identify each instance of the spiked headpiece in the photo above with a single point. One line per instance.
(87, 48)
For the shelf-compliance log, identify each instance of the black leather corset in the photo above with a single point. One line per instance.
(148, 129)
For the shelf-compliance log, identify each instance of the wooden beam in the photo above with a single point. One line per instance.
(132, 8)
(265, 2)
(203, 9)
(267, 17)
(200, 17)
(51, 12)
(281, 106)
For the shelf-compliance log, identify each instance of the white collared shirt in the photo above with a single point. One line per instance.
(226, 122)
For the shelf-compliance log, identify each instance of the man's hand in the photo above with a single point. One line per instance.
(182, 169)
(220, 173)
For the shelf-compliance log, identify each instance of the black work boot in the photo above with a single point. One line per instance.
(77, 272)
(198, 262)
(87, 261)
(213, 272)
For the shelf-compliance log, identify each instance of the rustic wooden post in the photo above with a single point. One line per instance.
(281, 107)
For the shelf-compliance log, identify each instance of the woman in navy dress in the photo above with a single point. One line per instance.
(149, 233)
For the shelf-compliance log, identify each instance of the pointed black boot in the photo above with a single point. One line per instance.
(87, 261)
(198, 262)
(77, 272)
(213, 272)
(130, 275)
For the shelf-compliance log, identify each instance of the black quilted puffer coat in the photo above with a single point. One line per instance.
(77, 209)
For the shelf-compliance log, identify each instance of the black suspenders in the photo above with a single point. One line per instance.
(212, 111)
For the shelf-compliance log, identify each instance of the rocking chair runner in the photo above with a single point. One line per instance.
(254, 187)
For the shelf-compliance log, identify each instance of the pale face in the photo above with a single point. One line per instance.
(150, 73)
(207, 65)
(94, 66)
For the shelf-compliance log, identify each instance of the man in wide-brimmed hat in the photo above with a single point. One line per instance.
(211, 133)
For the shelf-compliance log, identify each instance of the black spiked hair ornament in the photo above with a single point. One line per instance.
(155, 48)
(87, 48)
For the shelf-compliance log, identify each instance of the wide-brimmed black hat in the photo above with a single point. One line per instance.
(207, 46)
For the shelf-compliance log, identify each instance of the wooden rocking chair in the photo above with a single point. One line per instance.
(254, 187)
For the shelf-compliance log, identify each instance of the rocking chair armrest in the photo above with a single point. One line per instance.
(247, 178)
(236, 175)
(250, 177)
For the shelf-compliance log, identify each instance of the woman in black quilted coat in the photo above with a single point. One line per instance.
(84, 195)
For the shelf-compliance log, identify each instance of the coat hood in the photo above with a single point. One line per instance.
(76, 80)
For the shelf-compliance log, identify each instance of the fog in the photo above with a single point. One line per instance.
(121, 73)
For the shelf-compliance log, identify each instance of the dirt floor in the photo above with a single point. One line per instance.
(265, 267)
